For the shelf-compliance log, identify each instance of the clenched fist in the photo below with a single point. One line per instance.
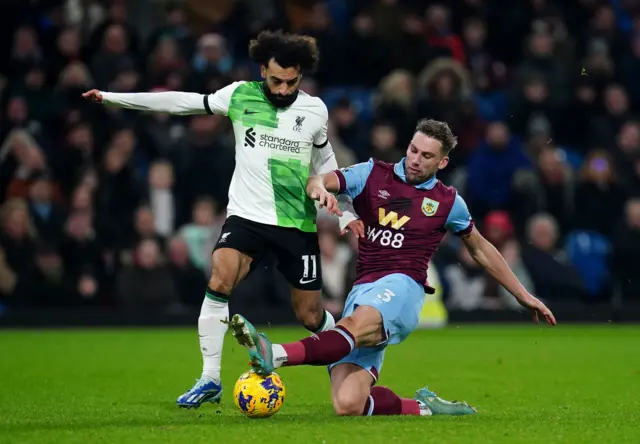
(94, 96)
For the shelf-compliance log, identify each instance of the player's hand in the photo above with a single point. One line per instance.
(326, 199)
(94, 96)
(356, 227)
(538, 309)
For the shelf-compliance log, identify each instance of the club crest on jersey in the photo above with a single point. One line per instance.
(298, 125)
(429, 206)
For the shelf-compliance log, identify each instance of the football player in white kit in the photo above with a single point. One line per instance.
(281, 139)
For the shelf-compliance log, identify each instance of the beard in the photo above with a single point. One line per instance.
(279, 100)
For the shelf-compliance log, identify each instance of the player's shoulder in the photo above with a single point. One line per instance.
(445, 193)
(240, 84)
(444, 188)
(382, 164)
(312, 103)
(228, 90)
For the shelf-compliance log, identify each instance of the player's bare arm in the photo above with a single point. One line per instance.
(322, 188)
(329, 181)
(485, 254)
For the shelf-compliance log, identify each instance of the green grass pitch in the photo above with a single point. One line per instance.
(571, 384)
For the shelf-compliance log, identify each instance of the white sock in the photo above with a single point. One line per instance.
(211, 331)
(424, 410)
(279, 355)
(328, 324)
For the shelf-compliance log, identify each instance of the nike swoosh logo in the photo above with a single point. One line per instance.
(302, 281)
(246, 111)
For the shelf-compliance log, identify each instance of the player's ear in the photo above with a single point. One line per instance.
(263, 71)
(443, 163)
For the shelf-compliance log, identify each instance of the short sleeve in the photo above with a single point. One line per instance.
(320, 138)
(218, 102)
(459, 220)
(354, 178)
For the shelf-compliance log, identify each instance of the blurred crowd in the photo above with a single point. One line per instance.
(120, 209)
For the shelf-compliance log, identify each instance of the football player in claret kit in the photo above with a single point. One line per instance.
(281, 139)
(406, 211)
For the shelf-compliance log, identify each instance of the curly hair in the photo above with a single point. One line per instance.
(288, 50)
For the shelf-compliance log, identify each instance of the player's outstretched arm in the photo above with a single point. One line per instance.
(485, 254)
(172, 102)
(323, 160)
(328, 181)
(321, 189)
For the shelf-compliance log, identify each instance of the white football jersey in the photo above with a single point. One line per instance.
(273, 154)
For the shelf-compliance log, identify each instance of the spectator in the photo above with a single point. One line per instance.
(188, 278)
(144, 227)
(626, 252)
(47, 216)
(175, 27)
(445, 85)
(492, 168)
(629, 67)
(384, 143)
(81, 249)
(146, 285)
(202, 233)
(344, 118)
(552, 276)
(557, 186)
(487, 72)
(533, 106)
(68, 50)
(114, 55)
(208, 161)
(26, 51)
(498, 229)
(76, 155)
(161, 197)
(541, 60)
(8, 280)
(440, 35)
(17, 236)
(164, 60)
(599, 199)
(396, 102)
(616, 113)
(365, 48)
(117, 195)
(20, 158)
(583, 107)
(48, 285)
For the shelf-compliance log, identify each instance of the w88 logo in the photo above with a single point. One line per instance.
(386, 238)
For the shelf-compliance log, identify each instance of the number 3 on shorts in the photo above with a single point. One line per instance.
(386, 296)
(310, 264)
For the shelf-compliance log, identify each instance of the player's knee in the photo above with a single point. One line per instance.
(365, 325)
(350, 324)
(348, 404)
(221, 285)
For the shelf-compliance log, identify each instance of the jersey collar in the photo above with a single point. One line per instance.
(398, 168)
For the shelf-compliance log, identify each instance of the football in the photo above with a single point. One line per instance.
(258, 396)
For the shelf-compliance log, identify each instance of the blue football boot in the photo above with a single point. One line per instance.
(439, 406)
(204, 390)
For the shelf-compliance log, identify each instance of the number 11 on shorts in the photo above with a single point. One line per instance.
(309, 260)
